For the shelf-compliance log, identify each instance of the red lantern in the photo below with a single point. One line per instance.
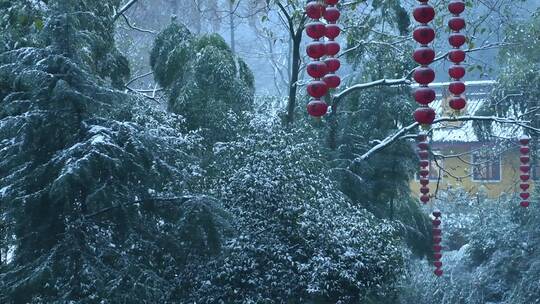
(524, 140)
(423, 145)
(456, 56)
(456, 7)
(332, 80)
(424, 75)
(424, 198)
(436, 213)
(456, 23)
(424, 190)
(424, 55)
(316, 49)
(423, 172)
(317, 108)
(315, 30)
(524, 204)
(524, 177)
(317, 88)
(316, 69)
(438, 272)
(456, 39)
(331, 14)
(457, 103)
(424, 95)
(524, 150)
(524, 186)
(524, 168)
(331, 2)
(456, 88)
(315, 10)
(423, 34)
(423, 163)
(332, 48)
(424, 181)
(437, 240)
(437, 256)
(456, 71)
(423, 154)
(437, 248)
(437, 264)
(332, 31)
(424, 115)
(332, 64)
(524, 159)
(436, 222)
(524, 195)
(424, 13)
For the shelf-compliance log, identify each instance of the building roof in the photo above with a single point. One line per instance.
(477, 93)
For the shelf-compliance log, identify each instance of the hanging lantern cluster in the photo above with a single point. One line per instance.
(456, 55)
(322, 71)
(423, 154)
(424, 95)
(424, 55)
(524, 169)
(437, 239)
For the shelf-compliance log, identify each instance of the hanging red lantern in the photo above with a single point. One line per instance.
(423, 163)
(316, 69)
(524, 204)
(456, 87)
(424, 181)
(315, 30)
(317, 88)
(456, 56)
(438, 272)
(424, 198)
(317, 108)
(456, 39)
(524, 159)
(316, 49)
(524, 186)
(332, 48)
(456, 71)
(332, 31)
(332, 80)
(456, 23)
(457, 103)
(524, 168)
(424, 55)
(524, 177)
(524, 195)
(424, 115)
(315, 10)
(524, 150)
(436, 222)
(424, 190)
(437, 256)
(437, 240)
(424, 13)
(424, 75)
(524, 140)
(424, 95)
(423, 154)
(424, 34)
(331, 14)
(437, 264)
(333, 64)
(456, 7)
(436, 231)
(423, 145)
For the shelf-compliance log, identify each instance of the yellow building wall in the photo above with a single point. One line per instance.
(459, 173)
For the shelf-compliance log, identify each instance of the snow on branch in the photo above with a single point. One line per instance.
(405, 80)
(123, 9)
(403, 131)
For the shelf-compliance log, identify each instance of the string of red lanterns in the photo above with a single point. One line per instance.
(322, 72)
(437, 239)
(524, 169)
(424, 95)
(456, 55)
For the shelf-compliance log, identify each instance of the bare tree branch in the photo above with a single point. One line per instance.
(123, 9)
(403, 131)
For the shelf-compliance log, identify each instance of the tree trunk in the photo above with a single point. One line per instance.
(295, 71)
(231, 24)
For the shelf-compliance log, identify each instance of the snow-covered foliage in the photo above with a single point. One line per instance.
(299, 238)
(210, 86)
(491, 249)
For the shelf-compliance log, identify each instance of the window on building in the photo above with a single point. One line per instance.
(535, 170)
(486, 167)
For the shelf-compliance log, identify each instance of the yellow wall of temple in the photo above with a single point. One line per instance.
(458, 172)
